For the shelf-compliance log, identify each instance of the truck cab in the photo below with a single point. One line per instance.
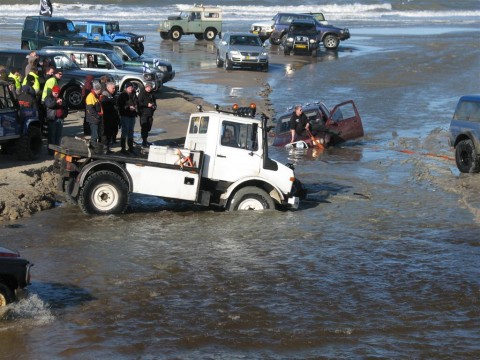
(97, 30)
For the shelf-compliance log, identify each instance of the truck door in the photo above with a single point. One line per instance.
(238, 152)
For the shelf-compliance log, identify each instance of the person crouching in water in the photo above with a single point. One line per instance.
(147, 105)
(111, 119)
(94, 114)
(56, 113)
(127, 107)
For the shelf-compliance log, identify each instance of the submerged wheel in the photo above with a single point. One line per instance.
(6, 295)
(104, 192)
(199, 36)
(274, 41)
(466, 157)
(30, 146)
(251, 198)
(331, 42)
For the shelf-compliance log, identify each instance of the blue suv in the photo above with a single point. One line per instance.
(465, 134)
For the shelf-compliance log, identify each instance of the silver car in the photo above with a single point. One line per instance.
(241, 49)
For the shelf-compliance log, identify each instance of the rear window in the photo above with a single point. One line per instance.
(467, 111)
(29, 25)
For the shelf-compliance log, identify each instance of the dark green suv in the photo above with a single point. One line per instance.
(40, 31)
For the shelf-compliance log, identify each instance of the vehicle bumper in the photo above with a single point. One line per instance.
(293, 202)
(344, 35)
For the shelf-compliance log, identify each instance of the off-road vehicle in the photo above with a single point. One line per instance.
(465, 134)
(241, 49)
(202, 21)
(40, 31)
(302, 37)
(329, 35)
(96, 30)
(14, 275)
(20, 130)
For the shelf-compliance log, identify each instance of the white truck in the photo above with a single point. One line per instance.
(224, 163)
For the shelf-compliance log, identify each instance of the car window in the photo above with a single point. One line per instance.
(243, 136)
(97, 29)
(81, 28)
(199, 125)
(468, 111)
(112, 27)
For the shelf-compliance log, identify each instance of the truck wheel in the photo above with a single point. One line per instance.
(175, 34)
(210, 34)
(330, 42)
(274, 41)
(6, 295)
(164, 35)
(29, 146)
(466, 157)
(228, 65)
(199, 36)
(73, 97)
(219, 61)
(104, 192)
(251, 198)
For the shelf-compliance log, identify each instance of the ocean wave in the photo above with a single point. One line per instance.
(333, 12)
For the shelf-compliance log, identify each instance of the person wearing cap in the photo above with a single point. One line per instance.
(51, 82)
(56, 113)
(147, 104)
(127, 108)
(94, 113)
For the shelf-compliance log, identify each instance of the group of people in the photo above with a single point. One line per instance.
(105, 115)
(37, 88)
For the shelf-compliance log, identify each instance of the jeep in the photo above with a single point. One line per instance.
(465, 134)
(40, 31)
(131, 58)
(14, 275)
(328, 34)
(302, 37)
(109, 31)
(20, 129)
(201, 21)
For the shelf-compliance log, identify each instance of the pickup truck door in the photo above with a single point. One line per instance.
(239, 156)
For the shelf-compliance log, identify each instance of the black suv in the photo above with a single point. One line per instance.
(328, 34)
(14, 275)
(40, 31)
(301, 37)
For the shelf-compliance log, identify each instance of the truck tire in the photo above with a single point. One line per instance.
(218, 61)
(6, 295)
(104, 192)
(199, 36)
(466, 157)
(73, 97)
(30, 146)
(210, 34)
(274, 41)
(251, 198)
(164, 35)
(331, 42)
(175, 34)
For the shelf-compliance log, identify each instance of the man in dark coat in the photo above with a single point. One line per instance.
(147, 104)
(56, 113)
(111, 120)
(127, 107)
(298, 123)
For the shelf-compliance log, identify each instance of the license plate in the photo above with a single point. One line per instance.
(255, 32)
(250, 57)
(301, 46)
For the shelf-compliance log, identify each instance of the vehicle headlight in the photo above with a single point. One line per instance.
(312, 41)
(290, 39)
(66, 42)
(264, 53)
(235, 52)
(148, 76)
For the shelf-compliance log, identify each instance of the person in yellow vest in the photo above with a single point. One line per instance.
(32, 80)
(51, 82)
(94, 113)
(16, 78)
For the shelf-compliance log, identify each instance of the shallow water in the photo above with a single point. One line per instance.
(381, 261)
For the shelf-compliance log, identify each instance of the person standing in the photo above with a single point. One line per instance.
(111, 119)
(298, 122)
(94, 112)
(127, 107)
(56, 113)
(147, 105)
(51, 82)
(86, 89)
(16, 78)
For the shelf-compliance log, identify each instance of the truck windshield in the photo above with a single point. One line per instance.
(113, 27)
(56, 27)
